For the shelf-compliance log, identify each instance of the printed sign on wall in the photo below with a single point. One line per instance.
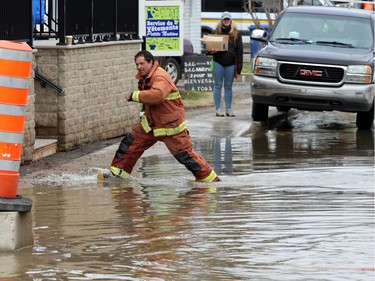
(164, 28)
(198, 73)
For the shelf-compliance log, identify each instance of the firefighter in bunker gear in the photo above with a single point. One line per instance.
(163, 120)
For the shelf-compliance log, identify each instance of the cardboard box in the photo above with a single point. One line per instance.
(215, 42)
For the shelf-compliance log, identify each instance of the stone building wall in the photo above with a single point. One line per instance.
(92, 106)
(29, 125)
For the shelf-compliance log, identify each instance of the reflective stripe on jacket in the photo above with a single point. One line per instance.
(164, 110)
(159, 132)
(171, 96)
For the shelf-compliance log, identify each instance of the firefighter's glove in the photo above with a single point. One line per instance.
(129, 96)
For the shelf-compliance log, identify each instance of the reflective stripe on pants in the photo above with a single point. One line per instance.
(179, 145)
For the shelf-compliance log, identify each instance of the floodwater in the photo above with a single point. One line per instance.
(292, 205)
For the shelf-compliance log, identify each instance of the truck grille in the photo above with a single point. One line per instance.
(311, 73)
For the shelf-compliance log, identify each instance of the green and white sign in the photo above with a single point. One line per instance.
(164, 27)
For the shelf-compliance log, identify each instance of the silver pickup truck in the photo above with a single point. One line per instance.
(316, 59)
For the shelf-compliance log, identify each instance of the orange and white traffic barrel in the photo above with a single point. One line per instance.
(15, 65)
(368, 6)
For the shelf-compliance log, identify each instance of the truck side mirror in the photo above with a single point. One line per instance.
(258, 33)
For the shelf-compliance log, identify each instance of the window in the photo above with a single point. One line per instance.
(222, 5)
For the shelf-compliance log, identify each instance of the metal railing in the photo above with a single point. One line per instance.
(86, 20)
(16, 20)
(45, 81)
(47, 26)
(97, 20)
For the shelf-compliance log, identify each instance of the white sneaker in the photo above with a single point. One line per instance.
(219, 112)
(230, 113)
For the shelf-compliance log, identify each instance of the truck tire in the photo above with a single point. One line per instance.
(259, 112)
(365, 119)
(172, 67)
(283, 108)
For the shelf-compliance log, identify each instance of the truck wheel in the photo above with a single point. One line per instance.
(260, 112)
(172, 67)
(282, 108)
(365, 119)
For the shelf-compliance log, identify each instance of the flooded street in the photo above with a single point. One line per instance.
(296, 202)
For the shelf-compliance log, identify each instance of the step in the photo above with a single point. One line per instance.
(44, 148)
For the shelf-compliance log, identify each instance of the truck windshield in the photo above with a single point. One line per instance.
(334, 30)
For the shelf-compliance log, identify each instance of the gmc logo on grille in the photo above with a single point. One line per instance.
(308, 72)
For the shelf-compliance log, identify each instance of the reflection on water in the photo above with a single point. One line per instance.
(264, 150)
(255, 227)
(223, 162)
(272, 149)
(291, 206)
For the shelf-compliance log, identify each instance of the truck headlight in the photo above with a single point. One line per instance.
(265, 67)
(359, 74)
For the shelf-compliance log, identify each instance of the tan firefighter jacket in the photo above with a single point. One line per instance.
(164, 110)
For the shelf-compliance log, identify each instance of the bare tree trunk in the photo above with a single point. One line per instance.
(271, 10)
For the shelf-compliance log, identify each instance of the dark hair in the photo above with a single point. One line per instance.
(146, 54)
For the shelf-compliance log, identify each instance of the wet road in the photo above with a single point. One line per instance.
(296, 203)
